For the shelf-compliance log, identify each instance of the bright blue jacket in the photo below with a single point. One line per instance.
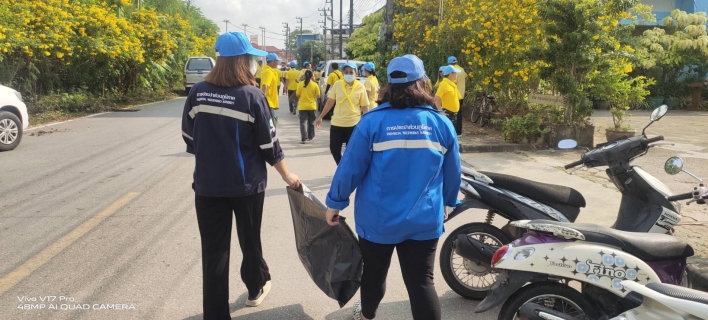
(405, 165)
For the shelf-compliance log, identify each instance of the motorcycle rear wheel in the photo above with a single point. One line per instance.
(460, 273)
(554, 295)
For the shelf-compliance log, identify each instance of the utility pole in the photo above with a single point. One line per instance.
(244, 28)
(324, 31)
(287, 40)
(263, 35)
(226, 25)
(299, 19)
(340, 29)
(351, 17)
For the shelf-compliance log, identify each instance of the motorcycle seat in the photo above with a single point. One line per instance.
(645, 246)
(543, 192)
(679, 292)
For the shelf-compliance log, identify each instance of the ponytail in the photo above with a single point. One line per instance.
(308, 77)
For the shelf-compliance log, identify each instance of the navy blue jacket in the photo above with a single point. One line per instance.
(405, 167)
(231, 133)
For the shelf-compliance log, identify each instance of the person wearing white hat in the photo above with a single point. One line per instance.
(228, 126)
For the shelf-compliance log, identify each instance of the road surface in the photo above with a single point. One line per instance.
(98, 213)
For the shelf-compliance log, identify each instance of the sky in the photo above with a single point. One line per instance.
(271, 14)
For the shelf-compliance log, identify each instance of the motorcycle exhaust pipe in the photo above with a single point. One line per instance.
(471, 249)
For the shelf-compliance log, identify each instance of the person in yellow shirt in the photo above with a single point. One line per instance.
(461, 85)
(333, 77)
(348, 97)
(291, 83)
(259, 72)
(371, 84)
(280, 77)
(448, 96)
(305, 66)
(307, 92)
(270, 80)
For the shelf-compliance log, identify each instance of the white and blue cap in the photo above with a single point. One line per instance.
(447, 70)
(369, 66)
(347, 64)
(451, 60)
(273, 57)
(410, 65)
(233, 44)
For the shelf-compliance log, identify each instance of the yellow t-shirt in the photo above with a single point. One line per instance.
(308, 95)
(280, 75)
(259, 72)
(270, 79)
(301, 75)
(461, 81)
(291, 77)
(334, 77)
(349, 100)
(447, 91)
(372, 85)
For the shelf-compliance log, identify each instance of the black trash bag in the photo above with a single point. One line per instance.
(331, 255)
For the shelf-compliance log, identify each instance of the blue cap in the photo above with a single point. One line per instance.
(273, 57)
(369, 66)
(451, 60)
(446, 70)
(441, 69)
(305, 64)
(347, 64)
(409, 64)
(292, 64)
(319, 68)
(233, 44)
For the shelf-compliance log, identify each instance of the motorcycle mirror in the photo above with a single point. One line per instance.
(567, 144)
(659, 113)
(673, 166)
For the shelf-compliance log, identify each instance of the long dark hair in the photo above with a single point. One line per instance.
(308, 76)
(372, 72)
(406, 95)
(232, 72)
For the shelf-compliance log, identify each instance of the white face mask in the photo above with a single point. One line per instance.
(349, 78)
(254, 67)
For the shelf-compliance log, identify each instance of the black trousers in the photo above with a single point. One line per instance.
(458, 121)
(307, 124)
(417, 259)
(337, 136)
(292, 100)
(214, 217)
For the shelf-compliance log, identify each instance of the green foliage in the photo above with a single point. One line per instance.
(364, 42)
(528, 127)
(582, 43)
(312, 51)
(676, 55)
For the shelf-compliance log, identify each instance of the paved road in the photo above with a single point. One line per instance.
(101, 212)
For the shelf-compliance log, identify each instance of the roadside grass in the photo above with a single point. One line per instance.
(66, 106)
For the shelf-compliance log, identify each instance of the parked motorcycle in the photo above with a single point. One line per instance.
(466, 254)
(553, 254)
(659, 301)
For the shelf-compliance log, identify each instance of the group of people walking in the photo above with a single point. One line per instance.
(229, 125)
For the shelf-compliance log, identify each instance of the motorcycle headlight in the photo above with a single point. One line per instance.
(18, 95)
(524, 253)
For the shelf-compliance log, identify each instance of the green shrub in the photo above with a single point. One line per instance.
(528, 127)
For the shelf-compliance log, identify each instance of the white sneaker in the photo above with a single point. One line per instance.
(254, 302)
(357, 310)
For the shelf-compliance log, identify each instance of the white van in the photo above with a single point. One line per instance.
(323, 80)
(195, 70)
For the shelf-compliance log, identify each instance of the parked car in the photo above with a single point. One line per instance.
(323, 81)
(195, 70)
(13, 118)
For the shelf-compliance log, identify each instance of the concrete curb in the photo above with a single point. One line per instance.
(505, 147)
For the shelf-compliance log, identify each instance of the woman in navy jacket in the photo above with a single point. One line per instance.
(403, 159)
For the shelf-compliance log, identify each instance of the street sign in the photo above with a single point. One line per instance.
(547, 99)
(254, 38)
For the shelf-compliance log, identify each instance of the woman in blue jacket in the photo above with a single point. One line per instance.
(400, 203)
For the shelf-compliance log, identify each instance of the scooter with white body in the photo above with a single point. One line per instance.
(552, 255)
(659, 301)
(466, 254)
